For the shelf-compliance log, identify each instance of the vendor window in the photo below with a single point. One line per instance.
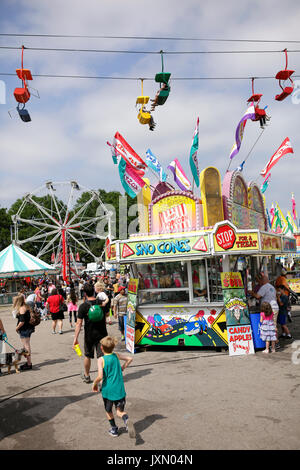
(206, 280)
(163, 282)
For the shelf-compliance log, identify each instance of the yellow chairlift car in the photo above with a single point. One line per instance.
(144, 116)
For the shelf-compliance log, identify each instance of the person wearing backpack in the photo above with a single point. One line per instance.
(24, 327)
(94, 328)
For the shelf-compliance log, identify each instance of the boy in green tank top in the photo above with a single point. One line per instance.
(110, 372)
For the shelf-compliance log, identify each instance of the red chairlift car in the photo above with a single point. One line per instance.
(284, 75)
(260, 114)
(22, 94)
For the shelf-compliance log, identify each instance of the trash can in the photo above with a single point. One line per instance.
(254, 320)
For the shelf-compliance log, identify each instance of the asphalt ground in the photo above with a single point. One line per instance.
(178, 399)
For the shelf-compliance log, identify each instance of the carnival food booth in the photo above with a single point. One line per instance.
(196, 260)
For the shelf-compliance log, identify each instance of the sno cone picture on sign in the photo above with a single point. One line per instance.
(239, 332)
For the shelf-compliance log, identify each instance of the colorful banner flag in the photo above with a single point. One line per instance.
(239, 133)
(131, 181)
(193, 155)
(284, 148)
(272, 212)
(279, 224)
(265, 183)
(291, 223)
(122, 148)
(294, 209)
(268, 218)
(114, 152)
(154, 164)
(180, 177)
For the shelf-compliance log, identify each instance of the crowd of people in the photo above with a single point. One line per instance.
(51, 300)
(54, 299)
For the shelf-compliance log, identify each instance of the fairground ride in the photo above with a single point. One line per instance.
(62, 221)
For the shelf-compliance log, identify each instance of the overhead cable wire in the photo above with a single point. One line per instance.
(99, 77)
(149, 38)
(110, 51)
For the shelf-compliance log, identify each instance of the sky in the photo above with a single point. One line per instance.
(74, 118)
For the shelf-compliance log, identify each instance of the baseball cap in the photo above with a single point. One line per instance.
(121, 288)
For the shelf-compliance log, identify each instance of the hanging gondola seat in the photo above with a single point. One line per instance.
(144, 117)
(162, 77)
(163, 95)
(285, 75)
(259, 113)
(24, 74)
(22, 95)
(24, 114)
(142, 100)
(255, 97)
(288, 90)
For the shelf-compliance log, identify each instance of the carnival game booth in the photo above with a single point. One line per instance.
(196, 266)
(16, 265)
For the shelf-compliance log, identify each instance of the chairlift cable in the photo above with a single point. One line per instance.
(149, 38)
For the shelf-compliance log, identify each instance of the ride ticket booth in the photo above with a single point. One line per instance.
(194, 280)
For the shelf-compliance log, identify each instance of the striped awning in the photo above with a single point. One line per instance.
(16, 262)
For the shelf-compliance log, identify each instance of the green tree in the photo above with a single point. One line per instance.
(5, 223)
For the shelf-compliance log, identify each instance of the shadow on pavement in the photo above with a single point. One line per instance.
(136, 375)
(18, 415)
(143, 424)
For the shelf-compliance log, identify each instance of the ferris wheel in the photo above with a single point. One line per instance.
(60, 221)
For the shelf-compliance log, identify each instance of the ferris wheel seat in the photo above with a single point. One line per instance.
(288, 90)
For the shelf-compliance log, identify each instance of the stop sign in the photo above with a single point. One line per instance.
(225, 237)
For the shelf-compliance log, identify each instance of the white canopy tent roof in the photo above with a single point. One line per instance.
(15, 262)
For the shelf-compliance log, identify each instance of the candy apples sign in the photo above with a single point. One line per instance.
(225, 237)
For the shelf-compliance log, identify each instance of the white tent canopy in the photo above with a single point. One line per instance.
(15, 262)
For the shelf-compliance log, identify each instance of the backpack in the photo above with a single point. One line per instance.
(35, 317)
(95, 313)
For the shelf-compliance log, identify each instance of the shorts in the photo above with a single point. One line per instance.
(108, 404)
(90, 346)
(282, 319)
(121, 322)
(57, 316)
(26, 333)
